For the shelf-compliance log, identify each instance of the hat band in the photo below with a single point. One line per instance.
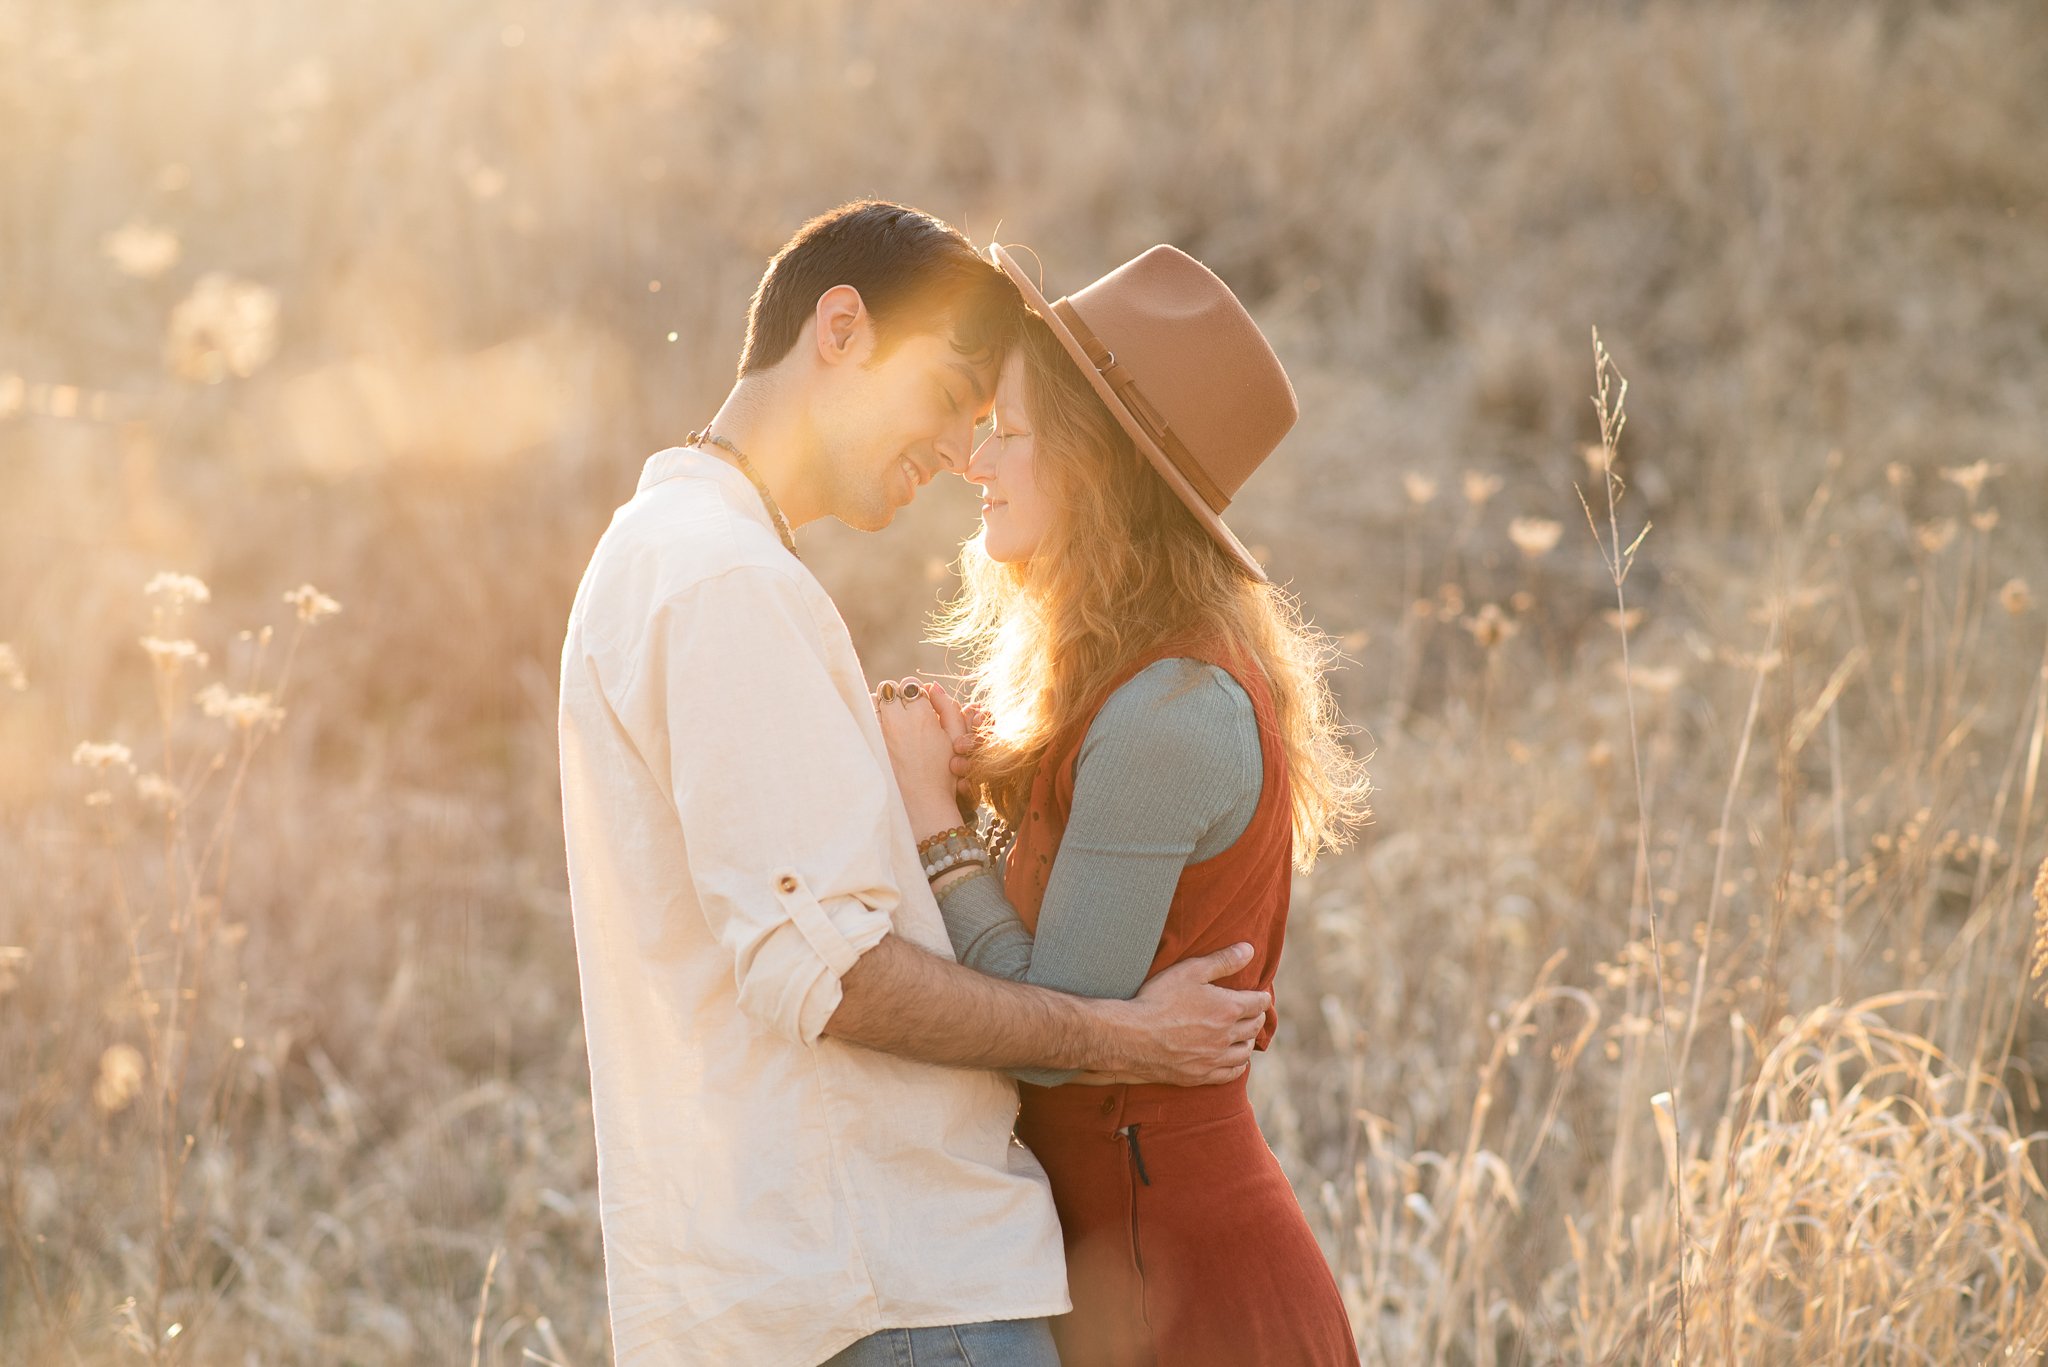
(1125, 386)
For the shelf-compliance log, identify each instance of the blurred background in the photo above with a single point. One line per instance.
(1675, 1009)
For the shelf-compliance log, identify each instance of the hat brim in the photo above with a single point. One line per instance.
(1161, 462)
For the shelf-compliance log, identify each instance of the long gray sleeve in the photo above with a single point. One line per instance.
(1168, 775)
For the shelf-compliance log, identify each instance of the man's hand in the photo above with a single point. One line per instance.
(1187, 1031)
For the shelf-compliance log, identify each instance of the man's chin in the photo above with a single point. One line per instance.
(867, 519)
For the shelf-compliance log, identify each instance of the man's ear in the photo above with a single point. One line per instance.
(842, 327)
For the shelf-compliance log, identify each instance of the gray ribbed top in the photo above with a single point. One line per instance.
(1168, 775)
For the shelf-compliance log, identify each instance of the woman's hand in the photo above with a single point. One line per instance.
(921, 752)
(964, 725)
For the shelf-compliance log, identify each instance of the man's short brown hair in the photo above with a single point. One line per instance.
(915, 274)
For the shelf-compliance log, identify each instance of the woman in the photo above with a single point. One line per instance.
(1162, 744)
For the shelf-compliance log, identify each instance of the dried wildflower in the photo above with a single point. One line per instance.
(224, 327)
(1595, 456)
(1934, 536)
(158, 791)
(177, 589)
(1480, 487)
(1984, 519)
(1420, 488)
(1623, 621)
(2014, 596)
(1490, 626)
(173, 654)
(1535, 537)
(1658, 680)
(120, 1077)
(141, 250)
(1970, 478)
(311, 604)
(10, 669)
(2041, 926)
(243, 711)
(100, 755)
(1450, 602)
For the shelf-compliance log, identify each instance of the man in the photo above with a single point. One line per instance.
(801, 1149)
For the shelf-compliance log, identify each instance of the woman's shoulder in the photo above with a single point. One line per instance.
(1180, 705)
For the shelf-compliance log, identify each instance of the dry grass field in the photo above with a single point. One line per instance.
(1676, 1007)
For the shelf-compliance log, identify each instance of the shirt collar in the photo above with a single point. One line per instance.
(692, 462)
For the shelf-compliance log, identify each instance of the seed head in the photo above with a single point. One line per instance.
(141, 250)
(2014, 597)
(176, 590)
(120, 1077)
(1970, 478)
(312, 604)
(2041, 926)
(157, 791)
(102, 755)
(172, 655)
(1480, 487)
(1490, 626)
(1535, 537)
(242, 711)
(1420, 488)
(1934, 536)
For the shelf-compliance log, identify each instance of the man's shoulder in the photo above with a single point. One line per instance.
(680, 536)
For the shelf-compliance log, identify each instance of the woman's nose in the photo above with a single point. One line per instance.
(980, 467)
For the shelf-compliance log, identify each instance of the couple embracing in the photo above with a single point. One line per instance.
(828, 933)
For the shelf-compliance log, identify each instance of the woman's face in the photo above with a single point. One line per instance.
(1016, 514)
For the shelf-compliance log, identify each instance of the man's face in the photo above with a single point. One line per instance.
(886, 428)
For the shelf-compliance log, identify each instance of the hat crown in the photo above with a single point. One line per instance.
(1195, 358)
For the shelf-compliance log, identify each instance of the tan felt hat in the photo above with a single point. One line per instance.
(1183, 367)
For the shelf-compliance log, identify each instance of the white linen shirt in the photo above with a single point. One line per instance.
(736, 841)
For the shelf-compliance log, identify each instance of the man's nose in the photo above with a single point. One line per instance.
(955, 446)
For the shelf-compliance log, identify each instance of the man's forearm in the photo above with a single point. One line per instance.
(902, 1000)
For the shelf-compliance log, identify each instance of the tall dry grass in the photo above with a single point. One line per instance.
(1675, 1008)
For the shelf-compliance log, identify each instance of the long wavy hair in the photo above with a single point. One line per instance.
(1127, 573)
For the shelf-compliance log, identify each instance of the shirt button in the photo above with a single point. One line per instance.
(787, 883)
(1108, 1104)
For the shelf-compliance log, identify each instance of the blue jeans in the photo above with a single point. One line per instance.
(999, 1343)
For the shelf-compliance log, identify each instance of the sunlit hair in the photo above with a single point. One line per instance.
(1124, 573)
(914, 273)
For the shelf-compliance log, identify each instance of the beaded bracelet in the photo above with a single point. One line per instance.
(929, 842)
(980, 871)
(949, 850)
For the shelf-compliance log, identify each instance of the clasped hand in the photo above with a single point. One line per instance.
(930, 738)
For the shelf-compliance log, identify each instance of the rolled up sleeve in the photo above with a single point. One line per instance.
(783, 799)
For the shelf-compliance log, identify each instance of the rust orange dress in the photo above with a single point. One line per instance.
(1185, 1246)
